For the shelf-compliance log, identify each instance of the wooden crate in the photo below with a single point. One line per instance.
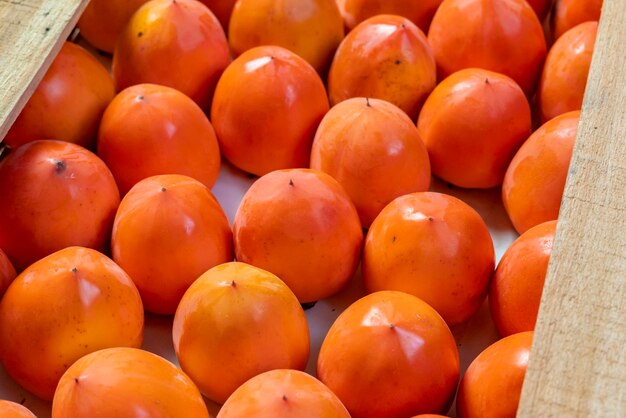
(578, 362)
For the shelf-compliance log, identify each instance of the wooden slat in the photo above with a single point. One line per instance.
(31, 34)
(578, 362)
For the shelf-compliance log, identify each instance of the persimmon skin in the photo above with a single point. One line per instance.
(300, 225)
(534, 182)
(374, 151)
(570, 13)
(103, 20)
(149, 130)
(176, 220)
(68, 103)
(95, 306)
(222, 9)
(179, 44)
(126, 383)
(492, 384)
(541, 8)
(7, 272)
(435, 247)
(565, 72)
(283, 394)
(312, 29)
(54, 195)
(372, 361)
(386, 57)
(504, 36)
(473, 123)
(235, 322)
(267, 107)
(418, 12)
(10, 409)
(516, 287)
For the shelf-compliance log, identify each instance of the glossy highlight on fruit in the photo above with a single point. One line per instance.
(126, 383)
(235, 322)
(390, 354)
(71, 303)
(300, 225)
(374, 151)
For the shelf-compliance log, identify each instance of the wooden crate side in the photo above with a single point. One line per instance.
(31, 34)
(578, 362)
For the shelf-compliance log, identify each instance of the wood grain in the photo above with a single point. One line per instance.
(31, 34)
(578, 362)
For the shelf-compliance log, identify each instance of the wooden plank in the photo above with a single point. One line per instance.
(578, 362)
(31, 34)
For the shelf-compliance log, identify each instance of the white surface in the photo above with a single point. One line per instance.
(471, 337)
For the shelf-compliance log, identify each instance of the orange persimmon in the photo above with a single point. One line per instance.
(10, 409)
(7, 272)
(570, 13)
(419, 12)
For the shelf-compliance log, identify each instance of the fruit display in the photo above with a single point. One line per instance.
(287, 208)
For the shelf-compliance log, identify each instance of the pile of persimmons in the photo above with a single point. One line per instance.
(344, 110)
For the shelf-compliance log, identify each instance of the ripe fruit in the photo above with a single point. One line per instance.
(390, 354)
(7, 272)
(266, 109)
(570, 13)
(222, 9)
(169, 230)
(419, 12)
(54, 195)
(373, 150)
(103, 20)
(504, 36)
(386, 57)
(178, 44)
(517, 285)
(533, 185)
(66, 305)
(435, 247)
(310, 28)
(564, 76)
(283, 394)
(149, 129)
(541, 7)
(235, 322)
(473, 123)
(300, 225)
(68, 102)
(14, 410)
(126, 383)
(492, 384)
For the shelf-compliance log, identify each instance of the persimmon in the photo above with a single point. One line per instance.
(283, 394)
(565, 72)
(429, 416)
(312, 29)
(504, 36)
(68, 102)
(68, 304)
(419, 12)
(300, 225)
(541, 8)
(126, 383)
(435, 247)
(267, 107)
(386, 57)
(391, 355)
(516, 288)
(374, 151)
(473, 123)
(492, 384)
(570, 13)
(7, 272)
(103, 20)
(235, 322)
(176, 43)
(222, 9)
(10, 409)
(149, 129)
(168, 230)
(54, 195)
(534, 182)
